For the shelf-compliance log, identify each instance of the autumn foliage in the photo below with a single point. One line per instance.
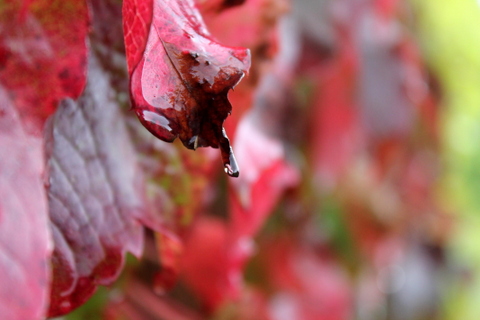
(332, 119)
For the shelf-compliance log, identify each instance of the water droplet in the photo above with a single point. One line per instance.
(229, 162)
(232, 168)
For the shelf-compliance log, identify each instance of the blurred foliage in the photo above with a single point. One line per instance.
(449, 35)
(348, 229)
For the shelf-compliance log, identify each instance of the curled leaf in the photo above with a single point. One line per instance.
(179, 86)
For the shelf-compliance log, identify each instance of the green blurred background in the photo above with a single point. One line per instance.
(449, 36)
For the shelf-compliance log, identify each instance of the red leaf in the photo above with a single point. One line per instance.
(137, 20)
(180, 84)
(253, 25)
(208, 266)
(42, 55)
(24, 238)
(95, 193)
(266, 175)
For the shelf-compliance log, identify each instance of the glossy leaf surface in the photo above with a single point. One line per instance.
(180, 84)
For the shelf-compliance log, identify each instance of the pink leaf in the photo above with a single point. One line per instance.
(180, 84)
(95, 193)
(24, 238)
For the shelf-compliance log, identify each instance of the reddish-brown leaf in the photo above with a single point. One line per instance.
(42, 55)
(24, 238)
(95, 193)
(179, 85)
(253, 25)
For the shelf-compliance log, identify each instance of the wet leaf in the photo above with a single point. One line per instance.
(179, 85)
(253, 25)
(24, 238)
(137, 20)
(95, 193)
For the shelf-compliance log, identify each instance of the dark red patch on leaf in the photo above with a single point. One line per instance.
(232, 3)
(218, 6)
(95, 193)
(179, 86)
(42, 55)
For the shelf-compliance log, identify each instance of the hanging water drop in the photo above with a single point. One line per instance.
(229, 162)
